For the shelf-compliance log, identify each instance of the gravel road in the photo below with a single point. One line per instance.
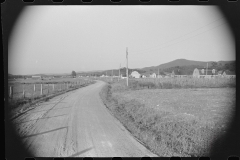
(77, 124)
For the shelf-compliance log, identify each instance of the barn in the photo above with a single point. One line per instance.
(196, 73)
(135, 74)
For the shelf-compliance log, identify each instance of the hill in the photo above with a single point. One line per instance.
(187, 66)
(181, 66)
(178, 62)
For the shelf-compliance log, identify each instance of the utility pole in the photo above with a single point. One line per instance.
(207, 69)
(112, 74)
(127, 65)
(119, 72)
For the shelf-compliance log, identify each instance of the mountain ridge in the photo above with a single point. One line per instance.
(164, 66)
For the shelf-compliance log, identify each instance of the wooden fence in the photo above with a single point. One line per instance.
(31, 90)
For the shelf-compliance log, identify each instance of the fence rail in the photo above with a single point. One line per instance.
(32, 90)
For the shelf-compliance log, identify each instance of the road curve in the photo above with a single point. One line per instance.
(77, 124)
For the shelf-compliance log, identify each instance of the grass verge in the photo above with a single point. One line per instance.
(161, 132)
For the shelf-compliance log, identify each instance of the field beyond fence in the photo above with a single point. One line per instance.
(176, 82)
(36, 89)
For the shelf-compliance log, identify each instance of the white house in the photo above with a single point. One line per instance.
(153, 75)
(135, 74)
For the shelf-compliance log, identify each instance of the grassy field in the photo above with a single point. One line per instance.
(45, 80)
(173, 122)
(169, 83)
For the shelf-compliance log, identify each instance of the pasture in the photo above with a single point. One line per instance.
(30, 88)
(173, 122)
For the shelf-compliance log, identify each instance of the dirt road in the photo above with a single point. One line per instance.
(77, 124)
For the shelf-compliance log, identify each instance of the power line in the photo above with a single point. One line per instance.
(144, 50)
(181, 40)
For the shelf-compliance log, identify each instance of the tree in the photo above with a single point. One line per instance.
(214, 64)
(74, 74)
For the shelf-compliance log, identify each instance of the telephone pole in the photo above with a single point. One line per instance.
(119, 72)
(112, 74)
(127, 65)
(207, 69)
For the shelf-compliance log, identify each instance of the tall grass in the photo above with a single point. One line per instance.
(169, 83)
(164, 133)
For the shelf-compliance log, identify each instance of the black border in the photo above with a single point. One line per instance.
(11, 9)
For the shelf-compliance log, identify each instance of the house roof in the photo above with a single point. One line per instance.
(135, 72)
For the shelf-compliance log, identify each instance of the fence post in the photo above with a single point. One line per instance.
(34, 88)
(41, 89)
(23, 92)
(10, 92)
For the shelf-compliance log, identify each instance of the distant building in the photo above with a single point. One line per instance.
(201, 72)
(153, 75)
(220, 72)
(135, 74)
(227, 72)
(196, 73)
(145, 75)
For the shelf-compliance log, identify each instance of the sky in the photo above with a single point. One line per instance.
(62, 39)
